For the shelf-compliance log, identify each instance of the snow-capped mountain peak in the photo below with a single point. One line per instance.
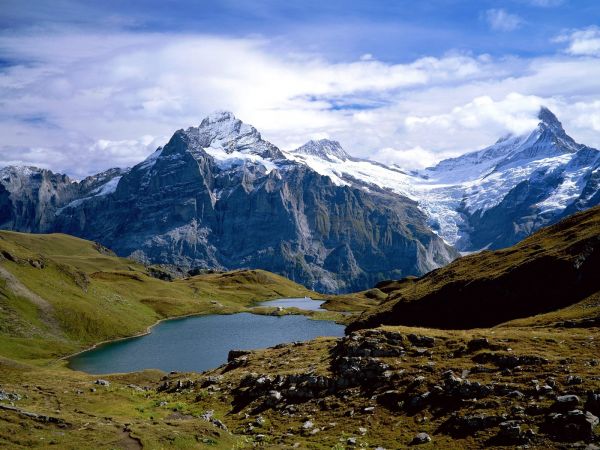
(222, 133)
(323, 148)
(218, 116)
(548, 119)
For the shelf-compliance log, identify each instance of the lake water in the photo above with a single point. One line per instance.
(201, 342)
(305, 303)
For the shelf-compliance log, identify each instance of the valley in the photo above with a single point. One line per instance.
(529, 378)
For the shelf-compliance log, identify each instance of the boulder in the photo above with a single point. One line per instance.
(572, 426)
(421, 438)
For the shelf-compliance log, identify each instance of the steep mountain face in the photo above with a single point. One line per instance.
(553, 269)
(491, 198)
(29, 197)
(219, 196)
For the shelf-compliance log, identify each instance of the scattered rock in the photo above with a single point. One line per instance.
(478, 344)
(234, 354)
(572, 426)
(566, 403)
(421, 341)
(505, 361)
(102, 382)
(9, 396)
(510, 431)
(593, 403)
(421, 438)
(462, 426)
(573, 380)
(307, 425)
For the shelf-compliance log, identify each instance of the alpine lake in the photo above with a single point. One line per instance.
(200, 343)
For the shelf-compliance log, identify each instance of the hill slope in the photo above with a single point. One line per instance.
(555, 268)
(59, 294)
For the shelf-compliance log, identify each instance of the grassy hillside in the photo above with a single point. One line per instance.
(59, 294)
(530, 383)
(555, 269)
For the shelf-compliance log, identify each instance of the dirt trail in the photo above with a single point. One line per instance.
(46, 309)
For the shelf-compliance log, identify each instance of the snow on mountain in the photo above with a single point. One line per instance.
(228, 140)
(487, 198)
(323, 149)
(107, 188)
(457, 190)
(329, 158)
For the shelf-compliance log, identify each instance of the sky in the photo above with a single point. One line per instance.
(89, 85)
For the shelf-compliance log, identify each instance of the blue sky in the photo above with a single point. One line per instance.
(86, 85)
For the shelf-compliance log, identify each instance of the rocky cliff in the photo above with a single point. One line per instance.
(219, 196)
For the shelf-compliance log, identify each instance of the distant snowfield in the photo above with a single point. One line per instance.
(473, 182)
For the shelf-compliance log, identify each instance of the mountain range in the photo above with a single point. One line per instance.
(219, 196)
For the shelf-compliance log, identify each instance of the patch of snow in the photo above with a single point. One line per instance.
(565, 193)
(227, 160)
(107, 188)
(73, 204)
(149, 162)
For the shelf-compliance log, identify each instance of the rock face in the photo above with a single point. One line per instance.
(31, 198)
(219, 196)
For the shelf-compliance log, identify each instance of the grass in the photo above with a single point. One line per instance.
(85, 295)
(61, 294)
(172, 420)
(554, 269)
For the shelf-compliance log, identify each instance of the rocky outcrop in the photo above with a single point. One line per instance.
(455, 389)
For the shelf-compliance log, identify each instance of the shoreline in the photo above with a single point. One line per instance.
(151, 326)
(140, 334)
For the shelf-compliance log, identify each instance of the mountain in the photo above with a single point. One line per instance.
(220, 196)
(490, 198)
(554, 269)
(325, 149)
(520, 184)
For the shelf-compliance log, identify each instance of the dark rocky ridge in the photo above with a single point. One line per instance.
(555, 268)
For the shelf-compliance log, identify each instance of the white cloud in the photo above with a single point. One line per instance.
(410, 159)
(582, 42)
(515, 113)
(546, 3)
(501, 20)
(110, 101)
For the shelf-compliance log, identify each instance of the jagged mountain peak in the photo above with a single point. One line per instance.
(548, 139)
(18, 170)
(221, 131)
(223, 125)
(549, 119)
(218, 116)
(324, 149)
